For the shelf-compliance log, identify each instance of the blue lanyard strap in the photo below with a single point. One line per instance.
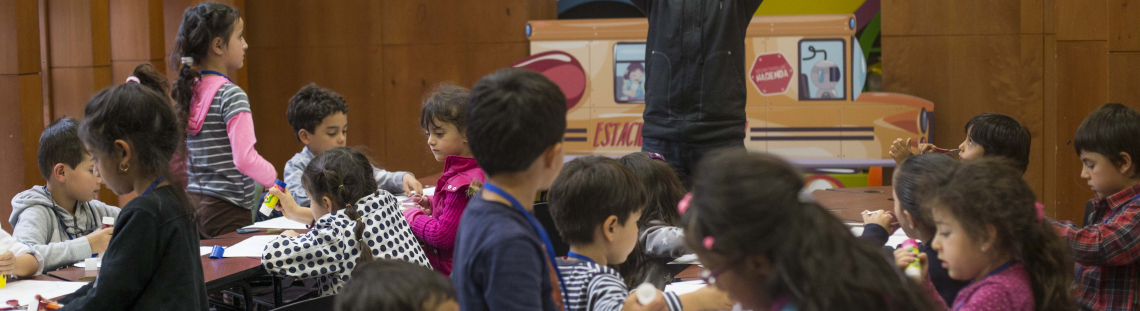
(157, 181)
(211, 72)
(537, 228)
(59, 218)
(579, 257)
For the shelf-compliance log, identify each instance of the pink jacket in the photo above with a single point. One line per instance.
(1008, 289)
(448, 203)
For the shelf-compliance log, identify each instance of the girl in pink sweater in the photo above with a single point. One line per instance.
(990, 231)
(437, 218)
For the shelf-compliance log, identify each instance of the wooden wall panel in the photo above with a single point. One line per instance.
(450, 22)
(907, 17)
(21, 96)
(1123, 72)
(1082, 82)
(272, 24)
(1050, 134)
(968, 75)
(1082, 20)
(1124, 25)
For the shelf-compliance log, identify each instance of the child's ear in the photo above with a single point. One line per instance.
(124, 151)
(218, 46)
(327, 203)
(1126, 164)
(552, 154)
(909, 218)
(303, 135)
(991, 237)
(609, 228)
(58, 172)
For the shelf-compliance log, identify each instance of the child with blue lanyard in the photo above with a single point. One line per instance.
(61, 220)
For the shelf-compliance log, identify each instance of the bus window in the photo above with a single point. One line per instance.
(629, 72)
(821, 69)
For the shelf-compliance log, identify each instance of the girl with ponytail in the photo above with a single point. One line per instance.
(224, 170)
(772, 249)
(355, 222)
(991, 232)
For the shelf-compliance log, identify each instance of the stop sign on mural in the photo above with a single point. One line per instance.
(771, 73)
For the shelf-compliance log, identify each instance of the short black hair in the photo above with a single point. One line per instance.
(513, 116)
(59, 143)
(1001, 135)
(447, 103)
(311, 105)
(393, 285)
(1110, 130)
(589, 190)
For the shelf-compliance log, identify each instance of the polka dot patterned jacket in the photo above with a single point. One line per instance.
(330, 251)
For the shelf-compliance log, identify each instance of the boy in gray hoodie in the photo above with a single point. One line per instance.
(61, 221)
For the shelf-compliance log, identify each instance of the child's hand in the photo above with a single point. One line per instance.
(658, 303)
(903, 258)
(926, 148)
(289, 208)
(290, 233)
(99, 239)
(7, 263)
(412, 186)
(51, 304)
(879, 217)
(900, 150)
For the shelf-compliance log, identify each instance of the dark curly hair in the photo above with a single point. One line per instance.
(343, 175)
(310, 106)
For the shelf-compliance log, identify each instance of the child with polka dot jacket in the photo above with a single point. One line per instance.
(355, 222)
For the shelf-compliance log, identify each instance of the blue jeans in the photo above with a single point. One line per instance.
(684, 157)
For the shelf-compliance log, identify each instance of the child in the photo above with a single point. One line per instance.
(632, 88)
(152, 261)
(396, 285)
(319, 118)
(1107, 248)
(661, 239)
(988, 134)
(763, 244)
(62, 220)
(695, 84)
(224, 169)
(991, 232)
(596, 204)
(356, 222)
(909, 179)
(503, 258)
(17, 258)
(435, 223)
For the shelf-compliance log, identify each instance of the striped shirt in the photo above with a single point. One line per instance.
(594, 287)
(212, 171)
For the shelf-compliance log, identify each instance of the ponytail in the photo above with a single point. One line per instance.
(200, 25)
(1050, 266)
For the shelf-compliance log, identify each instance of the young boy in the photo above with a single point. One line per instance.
(1107, 249)
(987, 134)
(62, 220)
(503, 258)
(596, 202)
(319, 118)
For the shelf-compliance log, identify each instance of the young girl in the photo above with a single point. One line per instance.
(224, 169)
(356, 222)
(437, 219)
(661, 239)
(909, 179)
(991, 233)
(152, 261)
(396, 285)
(632, 88)
(770, 250)
(987, 134)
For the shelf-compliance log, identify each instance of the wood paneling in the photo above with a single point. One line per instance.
(968, 75)
(19, 34)
(1081, 20)
(136, 30)
(272, 24)
(450, 22)
(1124, 25)
(1049, 195)
(1082, 82)
(79, 33)
(1123, 73)
(961, 17)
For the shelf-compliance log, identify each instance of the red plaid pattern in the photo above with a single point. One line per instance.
(1106, 252)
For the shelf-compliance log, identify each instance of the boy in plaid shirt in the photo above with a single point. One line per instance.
(1107, 249)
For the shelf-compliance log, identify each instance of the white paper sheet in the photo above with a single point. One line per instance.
(893, 241)
(690, 259)
(82, 264)
(204, 250)
(254, 246)
(25, 290)
(277, 223)
(427, 191)
(684, 287)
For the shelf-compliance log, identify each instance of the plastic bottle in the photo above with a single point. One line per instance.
(271, 200)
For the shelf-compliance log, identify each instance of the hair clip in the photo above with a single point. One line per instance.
(709, 241)
(360, 239)
(341, 186)
(684, 204)
(656, 156)
(188, 61)
(133, 79)
(1040, 210)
